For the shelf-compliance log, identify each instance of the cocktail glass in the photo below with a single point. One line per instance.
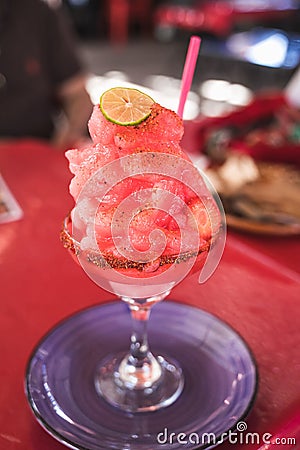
(138, 381)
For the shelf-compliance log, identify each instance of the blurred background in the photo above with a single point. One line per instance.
(248, 46)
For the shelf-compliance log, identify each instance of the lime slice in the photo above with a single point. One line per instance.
(125, 106)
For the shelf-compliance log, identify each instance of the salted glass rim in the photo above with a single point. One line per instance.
(73, 245)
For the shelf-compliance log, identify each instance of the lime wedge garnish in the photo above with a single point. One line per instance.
(125, 106)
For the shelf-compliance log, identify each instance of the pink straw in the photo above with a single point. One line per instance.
(188, 71)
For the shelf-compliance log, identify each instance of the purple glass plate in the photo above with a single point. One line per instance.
(219, 371)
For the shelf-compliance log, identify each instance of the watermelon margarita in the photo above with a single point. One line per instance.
(144, 218)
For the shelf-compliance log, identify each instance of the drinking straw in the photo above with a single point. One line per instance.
(188, 71)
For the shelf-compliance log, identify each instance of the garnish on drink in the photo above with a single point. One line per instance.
(125, 106)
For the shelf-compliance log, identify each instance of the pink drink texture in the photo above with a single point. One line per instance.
(161, 133)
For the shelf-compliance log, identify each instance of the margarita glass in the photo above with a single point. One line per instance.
(144, 219)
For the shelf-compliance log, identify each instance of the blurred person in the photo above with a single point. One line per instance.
(42, 82)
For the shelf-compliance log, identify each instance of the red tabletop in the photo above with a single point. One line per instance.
(256, 289)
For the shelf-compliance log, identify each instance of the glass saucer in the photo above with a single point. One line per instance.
(219, 371)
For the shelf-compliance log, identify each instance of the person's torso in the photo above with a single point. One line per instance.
(25, 87)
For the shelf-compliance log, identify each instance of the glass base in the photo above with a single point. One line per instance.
(161, 393)
(217, 365)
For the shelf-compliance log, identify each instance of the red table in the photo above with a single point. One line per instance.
(256, 289)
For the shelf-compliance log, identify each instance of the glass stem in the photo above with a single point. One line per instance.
(139, 381)
(139, 369)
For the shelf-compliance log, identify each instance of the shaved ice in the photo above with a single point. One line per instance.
(160, 133)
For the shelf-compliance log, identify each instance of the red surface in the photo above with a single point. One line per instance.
(256, 289)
